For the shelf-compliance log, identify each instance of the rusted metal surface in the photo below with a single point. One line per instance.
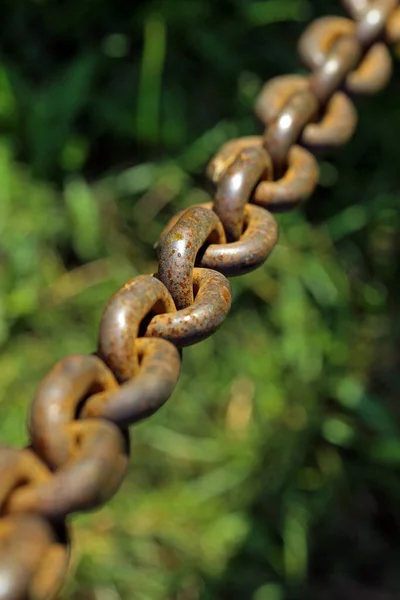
(333, 128)
(286, 128)
(79, 443)
(320, 38)
(228, 153)
(298, 182)
(374, 73)
(236, 185)
(373, 19)
(33, 552)
(341, 59)
(33, 558)
(247, 253)
(97, 459)
(179, 248)
(143, 394)
(336, 126)
(250, 251)
(332, 48)
(211, 304)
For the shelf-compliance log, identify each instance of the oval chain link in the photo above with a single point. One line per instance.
(33, 552)
(246, 254)
(79, 442)
(178, 251)
(236, 185)
(33, 558)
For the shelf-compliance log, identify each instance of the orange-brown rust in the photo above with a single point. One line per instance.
(286, 129)
(374, 72)
(124, 313)
(297, 183)
(202, 318)
(79, 445)
(195, 226)
(33, 558)
(148, 390)
(236, 185)
(336, 126)
(251, 250)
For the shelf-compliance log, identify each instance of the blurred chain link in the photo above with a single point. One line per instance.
(79, 444)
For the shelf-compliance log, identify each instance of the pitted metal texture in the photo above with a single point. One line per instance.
(78, 438)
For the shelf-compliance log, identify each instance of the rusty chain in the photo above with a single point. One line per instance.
(79, 441)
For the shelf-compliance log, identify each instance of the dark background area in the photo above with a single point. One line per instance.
(273, 472)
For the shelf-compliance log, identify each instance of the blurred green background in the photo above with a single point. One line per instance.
(273, 472)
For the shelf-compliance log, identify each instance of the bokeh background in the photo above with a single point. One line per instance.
(273, 471)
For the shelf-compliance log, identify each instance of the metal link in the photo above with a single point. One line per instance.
(79, 444)
(228, 153)
(319, 38)
(384, 15)
(297, 183)
(147, 391)
(33, 558)
(340, 61)
(376, 69)
(275, 95)
(373, 19)
(211, 304)
(249, 252)
(91, 455)
(336, 127)
(19, 468)
(22, 471)
(236, 185)
(57, 402)
(374, 72)
(91, 477)
(140, 298)
(282, 133)
(179, 247)
(318, 41)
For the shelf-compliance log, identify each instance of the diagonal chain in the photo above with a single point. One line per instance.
(79, 419)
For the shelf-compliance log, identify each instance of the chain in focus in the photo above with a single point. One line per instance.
(78, 424)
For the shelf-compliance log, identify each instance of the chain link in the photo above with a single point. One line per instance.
(79, 443)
